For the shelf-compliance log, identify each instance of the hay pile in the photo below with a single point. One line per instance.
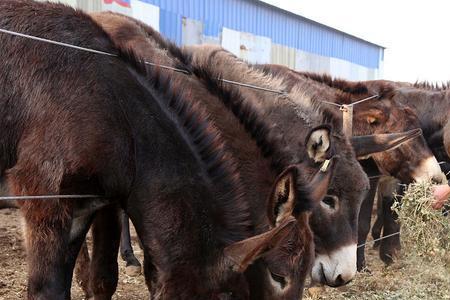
(425, 231)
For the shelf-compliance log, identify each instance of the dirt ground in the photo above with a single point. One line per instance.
(407, 279)
(13, 265)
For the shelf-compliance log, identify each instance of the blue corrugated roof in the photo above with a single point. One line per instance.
(263, 19)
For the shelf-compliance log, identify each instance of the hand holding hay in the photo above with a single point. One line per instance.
(441, 194)
(425, 231)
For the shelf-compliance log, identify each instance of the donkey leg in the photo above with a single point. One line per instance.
(47, 240)
(47, 234)
(378, 225)
(150, 273)
(389, 247)
(104, 269)
(82, 268)
(365, 217)
(133, 266)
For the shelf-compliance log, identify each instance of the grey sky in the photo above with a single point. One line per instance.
(415, 32)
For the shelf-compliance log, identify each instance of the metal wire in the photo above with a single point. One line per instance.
(331, 103)
(56, 42)
(379, 239)
(41, 197)
(145, 62)
(365, 99)
(162, 66)
(351, 104)
(252, 86)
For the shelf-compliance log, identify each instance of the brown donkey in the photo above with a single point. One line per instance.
(82, 122)
(412, 161)
(308, 135)
(430, 103)
(281, 272)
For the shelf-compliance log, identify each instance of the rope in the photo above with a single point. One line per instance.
(379, 239)
(41, 197)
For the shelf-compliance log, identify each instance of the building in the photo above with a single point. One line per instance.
(255, 31)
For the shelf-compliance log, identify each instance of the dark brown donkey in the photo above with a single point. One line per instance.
(412, 161)
(430, 103)
(77, 122)
(334, 222)
(280, 273)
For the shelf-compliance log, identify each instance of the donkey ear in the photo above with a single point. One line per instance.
(318, 144)
(318, 186)
(366, 145)
(242, 254)
(282, 198)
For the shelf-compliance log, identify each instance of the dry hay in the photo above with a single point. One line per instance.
(425, 231)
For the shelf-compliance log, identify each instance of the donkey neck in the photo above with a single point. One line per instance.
(432, 107)
(175, 193)
(280, 111)
(256, 174)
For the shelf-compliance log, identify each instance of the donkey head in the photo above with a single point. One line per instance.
(334, 220)
(283, 255)
(412, 161)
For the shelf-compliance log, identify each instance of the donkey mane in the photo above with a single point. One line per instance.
(166, 44)
(347, 90)
(205, 142)
(232, 99)
(432, 86)
(354, 88)
(302, 88)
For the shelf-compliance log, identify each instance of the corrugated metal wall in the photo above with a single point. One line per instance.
(259, 32)
(282, 28)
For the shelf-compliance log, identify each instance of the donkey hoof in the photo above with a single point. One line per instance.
(133, 271)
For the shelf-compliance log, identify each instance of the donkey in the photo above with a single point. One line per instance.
(126, 33)
(430, 104)
(281, 273)
(335, 238)
(82, 122)
(412, 161)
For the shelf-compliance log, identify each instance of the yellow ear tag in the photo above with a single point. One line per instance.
(325, 165)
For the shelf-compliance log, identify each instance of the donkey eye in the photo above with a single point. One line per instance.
(279, 279)
(330, 201)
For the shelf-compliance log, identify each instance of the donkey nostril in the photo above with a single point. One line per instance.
(339, 281)
(438, 180)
